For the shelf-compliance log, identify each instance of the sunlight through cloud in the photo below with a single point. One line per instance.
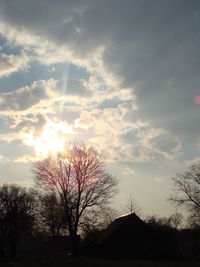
(51, 140)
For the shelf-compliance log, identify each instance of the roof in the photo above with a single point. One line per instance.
(126, 221)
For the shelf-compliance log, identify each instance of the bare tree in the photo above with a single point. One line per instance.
(79, 178)
(16, 214)
(51, 218)
(175, 220)
(132, 206)
(51, 214)
(193, 220)
(187, 189)
(97, 220)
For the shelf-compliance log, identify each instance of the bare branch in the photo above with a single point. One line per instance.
(187, 189)
(78, 176)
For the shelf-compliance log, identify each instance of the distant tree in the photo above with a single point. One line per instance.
(157, 222)
(16, 214)
(187, 190)
(51, 214)
(132, 206)
(173, 221)
(97, 220)
(79, 178)
(51, 219)
(166, 235)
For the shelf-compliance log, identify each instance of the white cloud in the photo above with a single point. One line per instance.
(192, 161)
(28, 96)
(3, 159)
(119, 140)
(24, 159)
(10, 137)
(108, 124)
(129, 171)
(162, 142)
(12, 63)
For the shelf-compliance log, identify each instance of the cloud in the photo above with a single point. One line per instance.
(3, 159)
(134, 74)
(26, 97)
(129, 171)
(10, 137)
(24, 159)
(143, 46)
(166, 145)
(74, 87)
(192, 161)
(158, 140)
(141, 62)
(12, 63)
(121, 140)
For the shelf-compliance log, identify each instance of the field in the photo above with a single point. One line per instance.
(97, 263)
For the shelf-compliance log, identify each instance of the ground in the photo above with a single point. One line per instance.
(97, 263)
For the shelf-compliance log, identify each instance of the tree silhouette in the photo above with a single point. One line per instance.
(97, 220)
(79, 178)
(187, 190)
(51, 214)
(16, 214)
(132, 206)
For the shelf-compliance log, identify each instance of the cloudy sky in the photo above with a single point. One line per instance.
(121, 75)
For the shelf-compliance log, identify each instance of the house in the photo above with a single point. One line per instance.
(126, 237)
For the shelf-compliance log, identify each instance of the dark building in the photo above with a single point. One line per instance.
(126, 237)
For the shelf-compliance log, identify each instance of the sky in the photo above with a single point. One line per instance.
(123, 76)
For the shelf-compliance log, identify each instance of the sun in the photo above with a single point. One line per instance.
(51, 140)
(48, 142)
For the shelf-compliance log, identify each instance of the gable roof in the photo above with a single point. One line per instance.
(127, 222)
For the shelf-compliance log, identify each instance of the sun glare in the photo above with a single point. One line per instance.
(51, 140)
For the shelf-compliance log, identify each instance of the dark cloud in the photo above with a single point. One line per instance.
(23, 98)
(165, 144)
(153, 46)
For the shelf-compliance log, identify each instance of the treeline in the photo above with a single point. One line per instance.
(70, 202)
(162, 238)
(26, 213)
(35, 224)
(175, 241)
(73, 188)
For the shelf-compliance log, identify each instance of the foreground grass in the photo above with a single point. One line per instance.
(97, 263)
